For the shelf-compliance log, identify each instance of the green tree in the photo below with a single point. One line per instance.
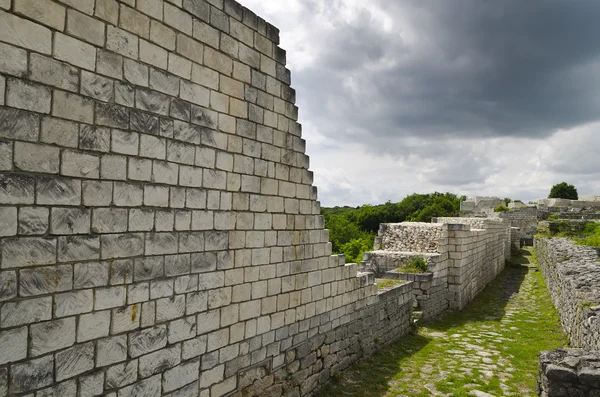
(507, 201)
(563, 190)
(355, 248)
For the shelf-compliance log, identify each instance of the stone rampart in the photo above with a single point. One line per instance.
(409, 237)
(159, 231)
(572, 273)
(526, 219)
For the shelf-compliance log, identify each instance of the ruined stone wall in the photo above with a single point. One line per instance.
(467, 259)
(159, 231)
(409, 237)
(569, 372)
(526, 219)
(572, 273)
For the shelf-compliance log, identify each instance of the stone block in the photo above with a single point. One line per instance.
(97, 194)
(58, 191)
(78, 248)
(112, 115)
(52, 335)
(156, 196)
(165, 82)
(8, 221)
(80, 165)
(178, 19)
(24, 33)
(107, 10)
(94, 138)
(109, 64)
(122, 245)
(134, 22)
(31, 375)
(59, 132)
(125, 319)
(111, 350)
(86, 6)
(13, 60)
(13, 345)
(147, 341)
(190, 48)
(74, 51)
(74, 361)
(141, 220)
(157, 362)
(85, 28)
(152, 101)
(199, 8)
(180, 66)
(128, 195)
(72, 107)
(122, 42)
(35, 281)
(181, 375)
(109, 220)
(25, 312)
(150, 387)
(218, 61)
(113, 167)
(96, 86)
(28, 96)
(162, 35)
(89, 275)
(91, 385)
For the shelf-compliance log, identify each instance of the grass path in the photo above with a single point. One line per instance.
(489, 349)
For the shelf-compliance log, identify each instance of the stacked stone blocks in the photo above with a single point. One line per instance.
(159, 231)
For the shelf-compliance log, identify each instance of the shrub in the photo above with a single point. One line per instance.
(388, 283)
(501, 208)
(415, 265)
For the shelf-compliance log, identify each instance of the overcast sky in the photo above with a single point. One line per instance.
(477, 98)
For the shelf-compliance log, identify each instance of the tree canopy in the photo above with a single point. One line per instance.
(352, 230)
(563, 190)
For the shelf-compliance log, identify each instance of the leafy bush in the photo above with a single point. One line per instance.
(355, 248)
(553, 217)
(563, 190)
(501, 208)
(415, 265)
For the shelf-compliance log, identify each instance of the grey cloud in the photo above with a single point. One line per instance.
(476, 69)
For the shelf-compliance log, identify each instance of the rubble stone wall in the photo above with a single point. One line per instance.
(159, 231)
(572, 274)
(409, 237)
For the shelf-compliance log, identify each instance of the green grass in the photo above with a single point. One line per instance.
(513, 318)
(388, 283)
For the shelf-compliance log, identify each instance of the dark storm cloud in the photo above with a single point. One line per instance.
(465, 69)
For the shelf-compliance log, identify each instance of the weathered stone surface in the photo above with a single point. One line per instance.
(72, 303)
(150, 387)
(93, 326)
(70, 221)
(59, 132)
(112, 115)
(45, 280)
(36, 158)
(72, 107)
(30, 251)
(28, 96)
(85, 27)
(78, 248)
(96, 86)
(23, 33)
(31, 375)
(17, 124)
(57, 191)
(13, 60)
(121, 42)
(152, 101)
(74, 361)
(147, 341)
(33, 220)
(181, 375)
(74, 52)
(157, 362)
(144, 122)
(52, 335)
(13, 345)
(109, 64)
(112, 350)
(8, 221)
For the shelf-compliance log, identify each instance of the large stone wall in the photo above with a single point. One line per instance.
(159, 231)
(572, 273)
